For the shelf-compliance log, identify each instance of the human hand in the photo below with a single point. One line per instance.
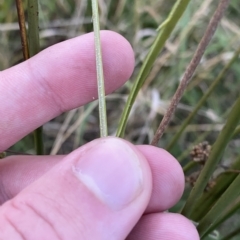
(99, 191)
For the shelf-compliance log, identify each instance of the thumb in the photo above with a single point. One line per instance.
(98, 191)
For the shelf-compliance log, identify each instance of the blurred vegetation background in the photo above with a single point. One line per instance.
(137, 21)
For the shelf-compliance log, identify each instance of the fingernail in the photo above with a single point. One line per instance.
(111, 170)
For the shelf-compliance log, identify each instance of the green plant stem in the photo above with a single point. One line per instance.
(215, 212)
(34, 48)
(22, 26)
(164, 33)
(202, 101)
(99, 67)
(214, 157)
(33, 27)
(31, 50)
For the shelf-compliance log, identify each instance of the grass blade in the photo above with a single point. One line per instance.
(164, 32)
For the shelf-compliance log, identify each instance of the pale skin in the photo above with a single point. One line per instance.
(43, 197)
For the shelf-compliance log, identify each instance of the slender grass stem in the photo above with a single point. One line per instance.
(99, 67)
(34, 48)
(163, 34)
(191, 69)
(33, 27)
(30, 48)
(202, 101)
(214, 157)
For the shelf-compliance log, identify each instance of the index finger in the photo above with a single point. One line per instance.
(58, 79)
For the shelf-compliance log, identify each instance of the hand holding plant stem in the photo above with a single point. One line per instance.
(101, 190)
(164, 32)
